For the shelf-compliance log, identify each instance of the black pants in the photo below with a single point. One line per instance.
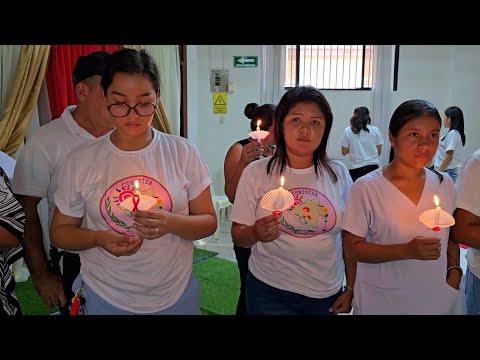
(71, 269)
(242, 255)
(359, 172)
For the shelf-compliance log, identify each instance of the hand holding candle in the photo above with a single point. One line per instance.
(258, 134)
(277, 200)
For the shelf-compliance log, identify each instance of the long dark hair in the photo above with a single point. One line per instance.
(360, 119)
(456, 121)
(408, 111)
(264, 113)
(302, 94)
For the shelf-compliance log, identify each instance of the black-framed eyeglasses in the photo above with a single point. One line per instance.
(122, 110)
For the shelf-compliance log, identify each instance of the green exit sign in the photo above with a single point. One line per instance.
(245, 61)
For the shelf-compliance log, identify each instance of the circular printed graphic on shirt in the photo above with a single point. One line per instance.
(135, 193)
(311, 214)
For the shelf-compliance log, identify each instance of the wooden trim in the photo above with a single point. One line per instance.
(395, 67)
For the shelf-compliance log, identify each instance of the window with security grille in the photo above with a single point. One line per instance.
(340, 67)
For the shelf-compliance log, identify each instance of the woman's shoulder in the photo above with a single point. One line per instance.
(339, 168)
(440, 178)
(338, 165)
(370, 180)
(173, 141)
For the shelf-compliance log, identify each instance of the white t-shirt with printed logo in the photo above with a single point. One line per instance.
(468, 198)
(98, 184)
(362, 146)
(379, 212)
(307, 257)
(38, 166)
(451, 141)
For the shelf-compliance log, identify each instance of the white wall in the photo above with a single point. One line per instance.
(214, 133)
(446, 75)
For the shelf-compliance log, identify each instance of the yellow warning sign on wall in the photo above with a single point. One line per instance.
(220, 103)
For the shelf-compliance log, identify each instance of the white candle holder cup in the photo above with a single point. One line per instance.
(258, 135)
(277, 200)
(428, 219)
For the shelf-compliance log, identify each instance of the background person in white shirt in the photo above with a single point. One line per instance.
(37, 174)
(467, 228)
(133, 202)
(296, 266)
(449, 154)
(403, 267)
(363, 142)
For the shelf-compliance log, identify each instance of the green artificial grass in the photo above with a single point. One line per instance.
(30, 302)
(218, 278)
(219, 286)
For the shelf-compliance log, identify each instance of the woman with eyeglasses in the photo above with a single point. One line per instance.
(403, 267)
(133, 203)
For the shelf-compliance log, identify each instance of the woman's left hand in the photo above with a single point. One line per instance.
(453, 279)
(151, 224)
(343, 304)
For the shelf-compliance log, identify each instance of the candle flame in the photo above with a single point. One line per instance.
(282, 181)
(437, 200)
(259, 122)
(136, 184)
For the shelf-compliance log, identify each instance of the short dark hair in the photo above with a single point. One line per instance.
(131, 61)
(88, 66)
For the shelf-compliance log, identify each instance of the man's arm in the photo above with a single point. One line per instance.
(47, 284)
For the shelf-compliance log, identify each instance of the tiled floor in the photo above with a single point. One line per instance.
(223, 245)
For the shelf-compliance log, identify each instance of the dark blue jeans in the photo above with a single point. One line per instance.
(472, 294)
(242, 255)
(263, 299)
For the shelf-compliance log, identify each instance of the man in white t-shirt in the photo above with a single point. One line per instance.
(37, 172)
(467, 228)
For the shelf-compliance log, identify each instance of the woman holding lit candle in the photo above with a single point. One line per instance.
(133, 203)
(403, 267)
(239, 155)
(296, 265)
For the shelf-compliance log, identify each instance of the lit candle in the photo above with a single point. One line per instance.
(259, 122)
(438, 209)
(137, 191)
(277, 200)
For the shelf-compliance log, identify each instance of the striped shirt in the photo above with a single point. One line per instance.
(12, 219)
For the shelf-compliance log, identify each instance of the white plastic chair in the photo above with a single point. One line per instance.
(222, 209)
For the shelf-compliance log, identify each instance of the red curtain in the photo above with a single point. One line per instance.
(59, 73)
